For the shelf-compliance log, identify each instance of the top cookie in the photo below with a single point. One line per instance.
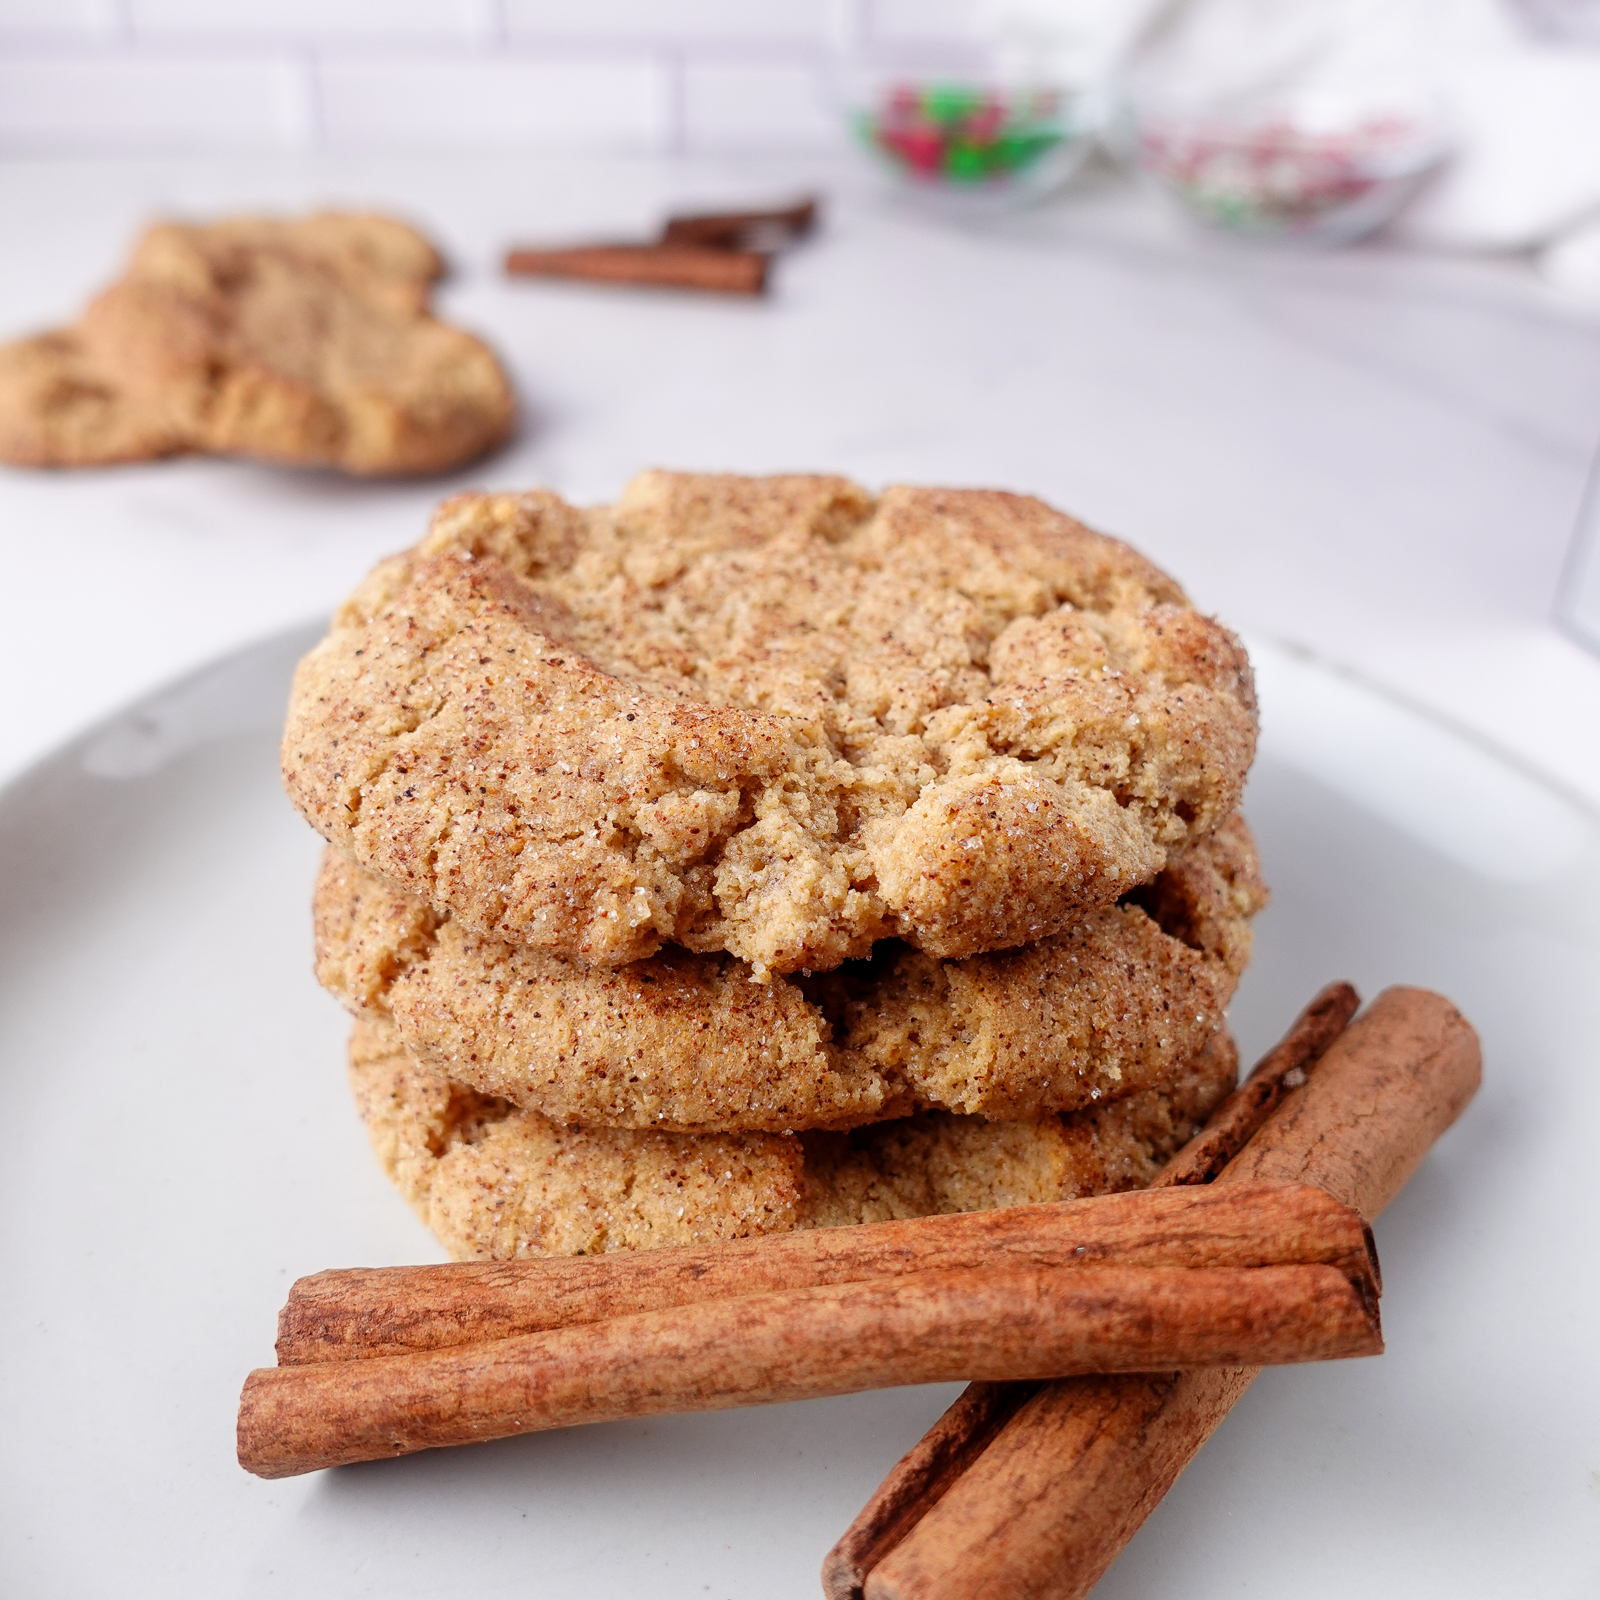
(307, 342)
(772, 716)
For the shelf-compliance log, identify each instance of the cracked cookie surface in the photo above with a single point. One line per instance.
(493, 1182)
(307, 342)
(689, 1043)
(769, 716)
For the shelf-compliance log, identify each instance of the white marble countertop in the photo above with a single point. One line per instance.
(1376, 455)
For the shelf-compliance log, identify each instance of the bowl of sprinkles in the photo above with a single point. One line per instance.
(966, 141)
(1315, 172)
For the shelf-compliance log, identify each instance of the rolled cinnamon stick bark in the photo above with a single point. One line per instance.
(357, 1313)
(917, 1480)
(966, 1429)
(661, 266)
(926, 1327)
(733, 230)
(1062, 1487)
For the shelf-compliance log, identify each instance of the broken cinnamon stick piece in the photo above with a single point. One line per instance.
(1047, 1506)
(359, 1313)
(742, 230)
(926, 1327)
(956, 1440)
(662, 266)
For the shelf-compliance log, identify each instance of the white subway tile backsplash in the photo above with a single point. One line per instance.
(734, 106)
(116, 76)
(489, 102)
(118, 104)
(91, 20)
(371, 20)
(699, 20)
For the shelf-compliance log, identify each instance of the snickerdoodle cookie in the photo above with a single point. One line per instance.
(307, 342)
(775, 717)
(685, 1042)
(495, 1182)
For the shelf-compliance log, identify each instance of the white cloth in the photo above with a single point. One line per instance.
(1572, 264)
(1527, 122)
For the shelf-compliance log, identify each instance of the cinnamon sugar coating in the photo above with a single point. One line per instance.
(307, 342)
(689, 1043)
(494, 1182)
(768, 716)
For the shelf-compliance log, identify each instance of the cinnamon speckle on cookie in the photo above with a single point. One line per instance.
(494, 1182)
(776, 717)
(688, 1042)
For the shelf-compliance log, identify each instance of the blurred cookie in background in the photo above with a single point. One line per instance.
(308, 343)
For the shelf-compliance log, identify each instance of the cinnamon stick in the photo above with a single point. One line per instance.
(966, 1429)
(1046, 1507)
(925, 1327)
(356, 1313)
(742, 230)
(662, 266)
(917, 1480)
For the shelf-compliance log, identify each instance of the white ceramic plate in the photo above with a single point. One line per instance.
(180, 1145)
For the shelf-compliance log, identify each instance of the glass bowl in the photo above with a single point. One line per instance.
(1308, 169)
(968, 143)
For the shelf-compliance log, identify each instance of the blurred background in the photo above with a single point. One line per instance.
(1300, 296)
(736, 77)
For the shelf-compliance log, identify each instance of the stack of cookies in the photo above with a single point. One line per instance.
(757, 854)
